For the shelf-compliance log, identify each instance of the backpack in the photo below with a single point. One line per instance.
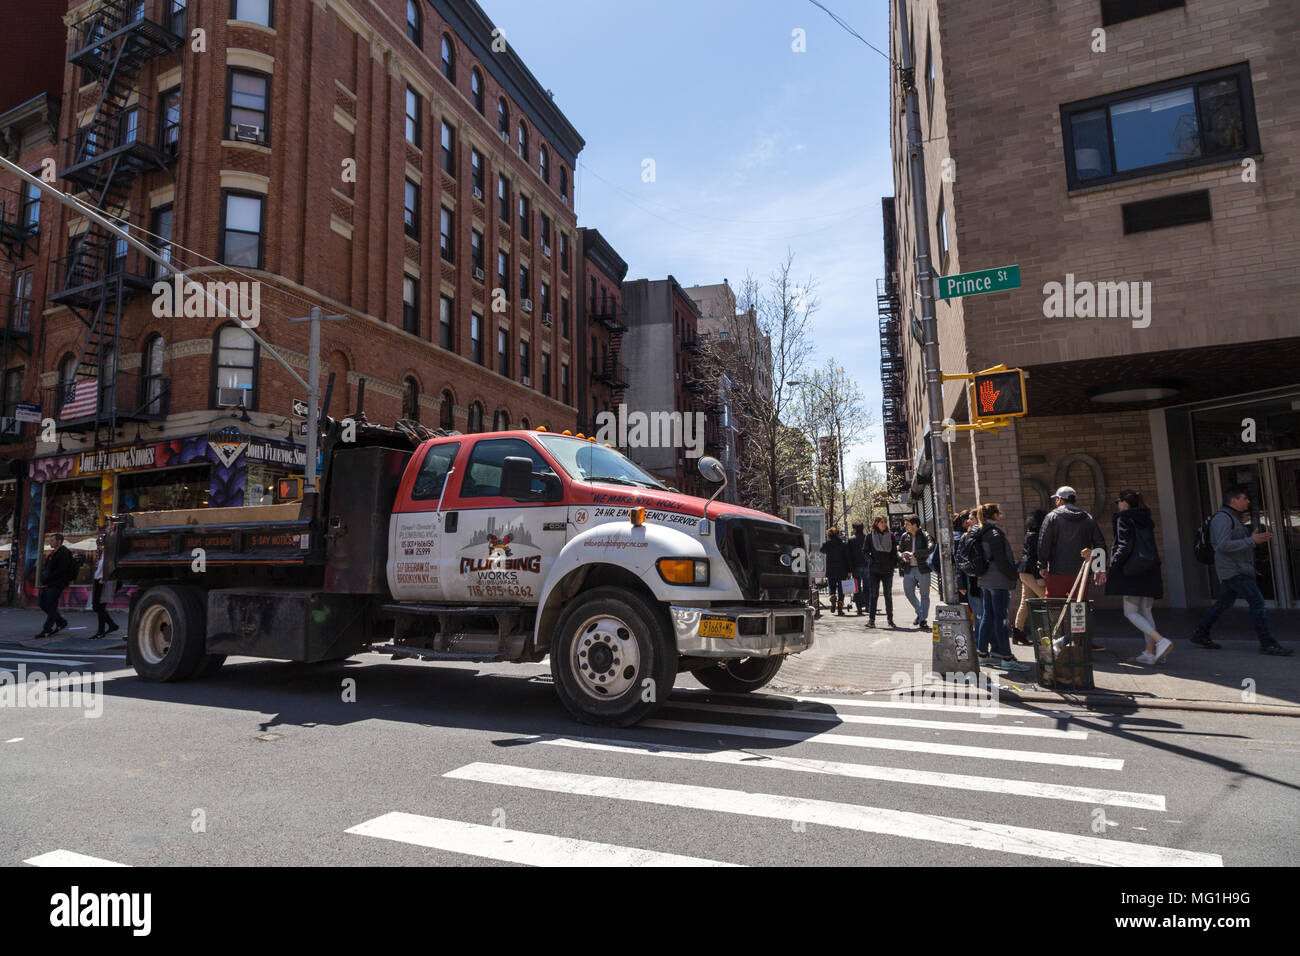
(1143, 557)
(1203, 546)
(970, 559)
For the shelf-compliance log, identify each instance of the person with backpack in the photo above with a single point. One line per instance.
(882, 559)
(1232, 545)
(968, 570)
(987, 552)
(1135, 573)
(915, 547)
(1066, 532)
(1031, 585)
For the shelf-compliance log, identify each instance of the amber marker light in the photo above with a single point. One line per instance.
(638, 516)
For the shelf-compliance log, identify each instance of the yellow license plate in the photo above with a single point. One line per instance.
(717, 627)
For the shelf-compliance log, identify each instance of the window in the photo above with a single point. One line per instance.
(476, 338)
(445, 227)
(594, 370)
(503, 270)
(503, 351)
(169, 136)
(448, 58)
(476, 89)
(448, 149)
(160, 224)
(564, 252)
(475, 418)
(413, 113)
(592, 307)
(413, 22)
(176, 18)
(447, 414)
(411, 210)
(476, 172)
(503, 198)
(476, 251)
(246, 111)
(546, 373)
(446, 338)
(13, 393)
(564, 184)
(241, 239)
(1117, 11)
(253, 11)
(525, 364)
(31, 211)
(152, 385)
(411, 304)
(523, 141)
(564, 382)
(411, 407)
(237, 361)
(503, 119)
(544, 164)
(435, 467)
(487, 462)
(941, 234)
(546, 232)
(546, 297)
(524, 218)
(564, 316)
(1206, 118)
(524, 284)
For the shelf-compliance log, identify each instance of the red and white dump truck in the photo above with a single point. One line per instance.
(500, 546)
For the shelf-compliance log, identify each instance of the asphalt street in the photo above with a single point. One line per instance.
(268, 764)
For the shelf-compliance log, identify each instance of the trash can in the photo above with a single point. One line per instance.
(1062, 634)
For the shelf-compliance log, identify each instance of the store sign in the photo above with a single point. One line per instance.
(227, 444)
(276, 454)
(26, 412)
(117, 459)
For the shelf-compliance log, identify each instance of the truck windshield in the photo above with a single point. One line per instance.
(588, 461)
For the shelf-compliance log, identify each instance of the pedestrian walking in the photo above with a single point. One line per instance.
(882, 560)
(1031, 585)
(59, 571)
(101, 595)
(1066, 532)
(1234, 565)
(967, 585)
(837, 568)
(993, 643)
(858, 550)
(1135, 572)
(914, 550)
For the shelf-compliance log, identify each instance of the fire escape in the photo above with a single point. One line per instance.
(613, 373)
(122, 140)
(893, 378)
(19, 239)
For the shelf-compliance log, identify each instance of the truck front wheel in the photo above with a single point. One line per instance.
(739, 676)
(166, 634)
(612, 657)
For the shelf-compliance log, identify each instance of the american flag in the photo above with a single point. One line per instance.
(81, 401)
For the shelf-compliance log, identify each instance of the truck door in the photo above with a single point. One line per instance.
(415, 535)
(496, 550)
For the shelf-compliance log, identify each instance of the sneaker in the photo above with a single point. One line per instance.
(1145, 658)
(1008, 663)
(1276, 650)
(1203, 640)
(1163, 647)
(42, 634)
(923, 625)
(984, 656)
(1098, 647)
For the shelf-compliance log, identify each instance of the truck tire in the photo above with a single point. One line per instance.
(613, 657)
(739, 676)
(166, 633)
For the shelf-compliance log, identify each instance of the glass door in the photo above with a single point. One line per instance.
(1288, 495)
(1250, 475)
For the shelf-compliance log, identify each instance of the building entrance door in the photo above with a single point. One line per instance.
(1273, 485)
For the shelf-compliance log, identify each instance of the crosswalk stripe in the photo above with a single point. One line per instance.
(42, 660)
(927, 778)
(969, 727)
(68, 858)
(985, 712)
(15, 653)
(889, 743)
(1003, 838)
(514, 846)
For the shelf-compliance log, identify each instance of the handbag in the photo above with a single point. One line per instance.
(850, 586)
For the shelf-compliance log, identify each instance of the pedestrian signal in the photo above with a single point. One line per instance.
(288, 489)
(999, 394)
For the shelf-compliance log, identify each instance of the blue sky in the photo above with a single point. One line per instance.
(757, 149)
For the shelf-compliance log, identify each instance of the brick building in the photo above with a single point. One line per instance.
(602, 332)
(1161, 154)
(388, 160)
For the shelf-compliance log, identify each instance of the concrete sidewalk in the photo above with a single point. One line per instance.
(849, 657)
(19, 625)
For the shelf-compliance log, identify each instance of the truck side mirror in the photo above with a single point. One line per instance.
(517, 478)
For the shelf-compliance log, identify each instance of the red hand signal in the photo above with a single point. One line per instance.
(988, 396)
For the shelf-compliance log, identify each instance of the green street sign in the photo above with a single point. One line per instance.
(977, 283)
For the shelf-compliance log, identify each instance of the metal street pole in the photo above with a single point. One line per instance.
(313, 393)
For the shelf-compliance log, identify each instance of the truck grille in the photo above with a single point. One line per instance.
(753, 549)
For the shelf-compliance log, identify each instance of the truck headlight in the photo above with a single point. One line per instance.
(688, 571)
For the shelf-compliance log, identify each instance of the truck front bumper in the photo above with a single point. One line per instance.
(757, 632)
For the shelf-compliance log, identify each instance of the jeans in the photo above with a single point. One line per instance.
(49, 602)
(860, 578)
(882, 582)
(974, 599)
(913, 581)
(835, 588)
(993, 622)
(1242, 586)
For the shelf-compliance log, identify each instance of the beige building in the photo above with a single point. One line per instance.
(1142, 170)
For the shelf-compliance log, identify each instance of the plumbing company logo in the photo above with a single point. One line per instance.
(501, 562)
(498, 546)
(181, 298)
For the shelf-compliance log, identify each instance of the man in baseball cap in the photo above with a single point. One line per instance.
(1066, 532)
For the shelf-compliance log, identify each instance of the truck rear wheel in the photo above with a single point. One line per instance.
(166, 634)
(612, 657)
(739, 676)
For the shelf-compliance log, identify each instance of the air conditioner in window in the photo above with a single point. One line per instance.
(478, 273)
(528, 305)
(232, 397)
(526, 380)
(505, 137)
(547, 320)
(248, 134)
(546, 250)
(478, 193)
